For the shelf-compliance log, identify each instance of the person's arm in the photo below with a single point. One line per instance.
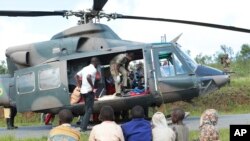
(78, 81)
(90, 81)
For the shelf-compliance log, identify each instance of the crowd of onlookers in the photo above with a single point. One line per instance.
(138, 129)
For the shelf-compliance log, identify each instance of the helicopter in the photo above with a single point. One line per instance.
(41, 75)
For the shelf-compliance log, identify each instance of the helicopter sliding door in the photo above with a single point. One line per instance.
(175, 81)
(42, 87)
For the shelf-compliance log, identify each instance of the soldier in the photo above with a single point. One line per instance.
(208, 131)
(9, 114)
(119, 64)
(225, 61)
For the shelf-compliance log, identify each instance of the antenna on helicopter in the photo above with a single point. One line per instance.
(163, 39)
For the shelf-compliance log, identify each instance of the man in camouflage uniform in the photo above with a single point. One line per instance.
(208, 131)
(225, 61)
(119, 65)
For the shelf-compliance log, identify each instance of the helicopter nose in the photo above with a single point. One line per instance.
(221, 80)
(219, 77)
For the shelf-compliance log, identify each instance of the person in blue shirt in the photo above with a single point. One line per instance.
(138, 129)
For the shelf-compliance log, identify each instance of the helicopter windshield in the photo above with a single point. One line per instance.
(190, 62)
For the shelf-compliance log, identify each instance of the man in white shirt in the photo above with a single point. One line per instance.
(85, 79)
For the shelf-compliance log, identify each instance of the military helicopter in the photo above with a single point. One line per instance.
(41, 75)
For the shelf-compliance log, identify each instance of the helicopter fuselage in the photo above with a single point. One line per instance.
(41, 75)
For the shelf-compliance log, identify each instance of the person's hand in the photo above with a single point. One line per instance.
(94, 90)
(78, 88)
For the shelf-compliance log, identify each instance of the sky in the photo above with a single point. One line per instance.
(22, 30)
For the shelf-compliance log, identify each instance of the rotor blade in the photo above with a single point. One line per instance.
(186, 22)
(32, 13)
(99, 4)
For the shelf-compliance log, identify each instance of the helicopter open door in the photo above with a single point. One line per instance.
(42, 87)
(175, 80)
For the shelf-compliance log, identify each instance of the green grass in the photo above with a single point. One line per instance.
(24, 119)
(224, 135)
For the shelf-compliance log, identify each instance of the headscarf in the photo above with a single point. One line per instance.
(208, 131)
(161, 131)
(159, 120)
(209, 116)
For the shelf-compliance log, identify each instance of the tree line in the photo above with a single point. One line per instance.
(241, 56)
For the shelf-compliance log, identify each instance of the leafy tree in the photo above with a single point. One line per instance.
(245, 51)
(200, 59)
(3, 68)
(227, 50)
(217, 57)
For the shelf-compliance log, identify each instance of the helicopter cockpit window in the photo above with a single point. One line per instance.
(49, 79)
(170, 65)
(190, 62)
(25, 83)
(179, 66)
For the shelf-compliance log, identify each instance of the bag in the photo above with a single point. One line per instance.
(75, 96)
(6, 112)
(118, 79)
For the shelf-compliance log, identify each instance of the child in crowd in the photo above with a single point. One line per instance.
(179, 127)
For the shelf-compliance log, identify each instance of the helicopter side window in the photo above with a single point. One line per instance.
(49, 79)
(25, 83)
